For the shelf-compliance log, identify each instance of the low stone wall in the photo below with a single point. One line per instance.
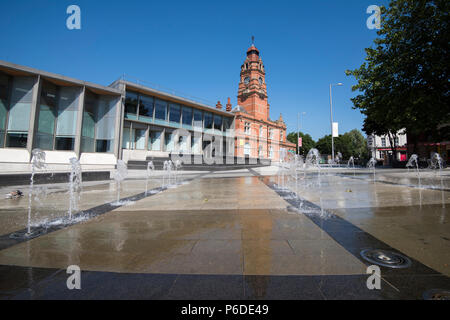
(44, 178)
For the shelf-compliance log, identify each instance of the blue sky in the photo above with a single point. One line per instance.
(197, 48)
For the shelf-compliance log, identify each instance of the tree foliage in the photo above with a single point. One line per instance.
(404, 82)
(350, 144)
(307, 142)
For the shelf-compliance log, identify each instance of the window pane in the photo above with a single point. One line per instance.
(187, 116)
(126, 139)
(88, 125)
(17, 140)
(66, 124)
(62, 143)
(169, 142)
(208, 120)
(3, 111)
(196, 145)
(106, 118)
(183, 144)
(154, 141)
(146, 107)
(139, 139)
(198, 119)
(4, 88)
(87, 144)
(104, 146)
(19, 114)
(160, 109)
(131, 102)
(175, 113)
(226, 123)
(44, 141)
(217, 122)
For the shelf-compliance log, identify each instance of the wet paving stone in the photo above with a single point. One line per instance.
(283, 288)
(234, 238)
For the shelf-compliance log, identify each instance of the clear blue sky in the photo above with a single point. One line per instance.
(197, 48)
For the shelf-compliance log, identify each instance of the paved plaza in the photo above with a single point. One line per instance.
(245, 234)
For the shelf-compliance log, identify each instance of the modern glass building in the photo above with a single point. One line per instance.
(156, 124)
(97, 124)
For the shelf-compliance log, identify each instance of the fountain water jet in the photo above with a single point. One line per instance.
(37, 162)
(437, 163)
(313, 160)
(75, 181)
(414, 162)
(371, 164)
(338, 158)
(177, 167)
(167, 176)
(150, 169)
(352, 162)
(119, 175)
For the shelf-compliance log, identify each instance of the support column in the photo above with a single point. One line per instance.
(33, 115)
(118, 129)
(79, 122)
(121, 119)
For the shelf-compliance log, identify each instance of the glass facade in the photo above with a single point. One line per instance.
(105, 123)
(139, 139)
(47, 116)
(98, 130)
(169, 139)
(126, 139)
(57, 117)
(217, 122)
(187, 116)
(160, 110)
(19, 112)
(175, 114)
(196, 145)
(66, 125)
(154, 140)
(227, 123)
(183, 144)
(208, 121)
(163, 117)
(198, 119)
(146, 108)
(131, 105)
(4, 92)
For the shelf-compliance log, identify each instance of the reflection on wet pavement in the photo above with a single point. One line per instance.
(219, 227)
(413, 220)
(182, 231)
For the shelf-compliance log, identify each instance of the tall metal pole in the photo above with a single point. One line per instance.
(331, 118)
(298, 133)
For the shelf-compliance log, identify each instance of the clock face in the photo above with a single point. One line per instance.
(247, 80)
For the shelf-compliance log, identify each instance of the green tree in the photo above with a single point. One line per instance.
(350, 144)
(404, 81)
(307, 142)
(324, 145)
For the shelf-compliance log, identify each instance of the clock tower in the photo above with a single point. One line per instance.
(252, 93)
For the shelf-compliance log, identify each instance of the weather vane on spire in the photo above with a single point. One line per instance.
(253, 40)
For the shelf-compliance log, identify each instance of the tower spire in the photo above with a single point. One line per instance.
(253, 41)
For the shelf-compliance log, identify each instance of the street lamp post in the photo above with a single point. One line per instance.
(298, 130)
(331, 118)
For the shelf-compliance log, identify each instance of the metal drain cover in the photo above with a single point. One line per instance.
(386, 258)
(437, 294)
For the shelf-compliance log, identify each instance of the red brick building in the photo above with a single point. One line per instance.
(257, 136)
